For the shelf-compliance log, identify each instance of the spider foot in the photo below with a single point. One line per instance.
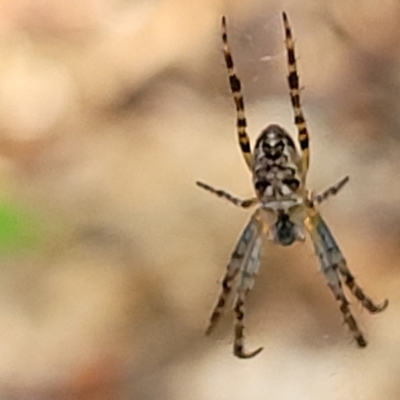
(361, 341)
(379, 307)
(240, 353)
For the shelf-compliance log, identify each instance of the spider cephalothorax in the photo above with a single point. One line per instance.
(285, 208)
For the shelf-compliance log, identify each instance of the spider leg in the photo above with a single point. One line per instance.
(225, 195)
(248, 272)
(331, 261)
(331, 191)
(235, 85)
(236, 261)
(293, 80)
(366, 302)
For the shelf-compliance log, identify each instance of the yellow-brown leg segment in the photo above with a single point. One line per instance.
(293, 80)
(235, 85)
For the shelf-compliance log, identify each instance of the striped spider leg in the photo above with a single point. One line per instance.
(286, 209)
(333, 264)
(234, 200)
(331, 191)
(335, 270)
(236, 88)
(241, 270)
(294, 90)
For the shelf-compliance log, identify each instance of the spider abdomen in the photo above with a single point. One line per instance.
(276, 165)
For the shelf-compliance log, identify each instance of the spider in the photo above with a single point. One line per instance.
(286, 209)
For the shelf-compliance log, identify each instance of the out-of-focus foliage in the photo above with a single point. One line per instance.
(18, 230)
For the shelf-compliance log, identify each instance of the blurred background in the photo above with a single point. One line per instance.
(110, 256)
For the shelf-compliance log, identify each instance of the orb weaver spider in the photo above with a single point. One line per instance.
(286, 209)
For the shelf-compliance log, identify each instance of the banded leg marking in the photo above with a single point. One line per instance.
(227, 282)
(239, 256)
(331, 191)
(348, 316)
(294, 88)
(359, 294)
(235, 85)
(332, 265)
(225, 195)
(248, 273)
